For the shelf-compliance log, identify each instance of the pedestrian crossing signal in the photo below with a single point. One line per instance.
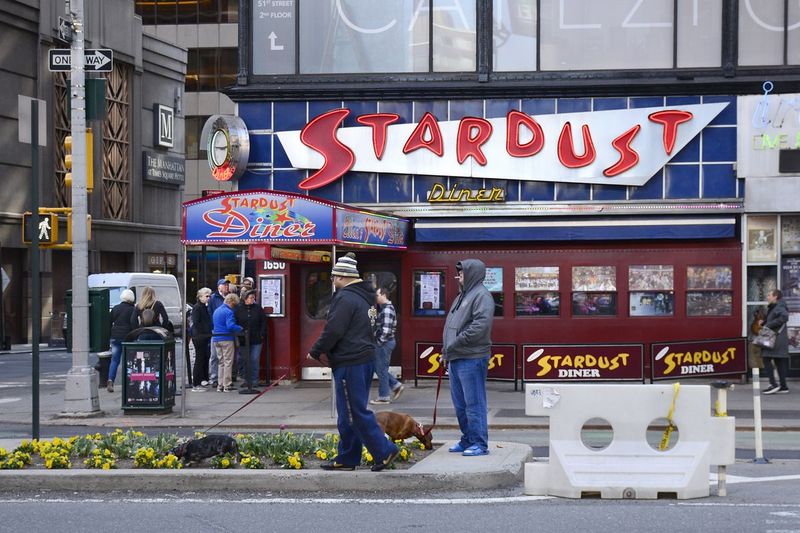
(45, 226)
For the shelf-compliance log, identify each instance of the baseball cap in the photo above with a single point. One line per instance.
(222, 281)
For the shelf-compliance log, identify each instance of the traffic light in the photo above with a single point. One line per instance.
(46, 225)
(69, 227)
(89, 160)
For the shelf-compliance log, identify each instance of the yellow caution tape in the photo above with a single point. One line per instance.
(716, 409)
(665, 439)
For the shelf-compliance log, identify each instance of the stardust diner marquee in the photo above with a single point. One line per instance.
(274, 217)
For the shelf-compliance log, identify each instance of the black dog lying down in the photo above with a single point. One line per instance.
(195, 450)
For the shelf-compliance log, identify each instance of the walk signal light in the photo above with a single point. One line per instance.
(89, 160)
(46, 225)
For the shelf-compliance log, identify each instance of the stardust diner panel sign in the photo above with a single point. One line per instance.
(678, 360)
(583, 362)
(359, 227)
(616, 147)
(502, 363)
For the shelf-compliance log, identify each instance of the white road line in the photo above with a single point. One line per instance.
(732, 480)
(284, 501)
(723, 504)
(9, 400)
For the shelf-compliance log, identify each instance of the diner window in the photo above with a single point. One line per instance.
(384, 279)
(319, 291)
(594, 291)
(709, 291)
(211, 69)
(494, 284)
(536, 291)
(651, 290)
(429, 293)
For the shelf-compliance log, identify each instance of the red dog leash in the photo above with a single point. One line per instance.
(254, 398)
(436, 401)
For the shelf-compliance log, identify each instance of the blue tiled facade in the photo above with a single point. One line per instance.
(704, 169)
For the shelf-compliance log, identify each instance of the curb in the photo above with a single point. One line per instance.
(428, 474)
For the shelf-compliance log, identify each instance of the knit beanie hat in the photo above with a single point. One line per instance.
(346, 266)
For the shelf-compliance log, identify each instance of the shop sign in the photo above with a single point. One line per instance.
(767, 124)
(455, 194)
(502, 363)
(358, 227)
(618, 147)
(163, 168)
(582, 362)
(256, 216)
(676, 360)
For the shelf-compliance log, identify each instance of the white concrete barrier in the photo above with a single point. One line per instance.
(628, 467)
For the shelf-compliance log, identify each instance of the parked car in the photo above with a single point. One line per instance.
(165, 285)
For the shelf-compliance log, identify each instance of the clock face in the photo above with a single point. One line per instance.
(219, 147)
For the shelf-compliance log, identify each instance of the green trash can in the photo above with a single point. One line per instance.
(148, 362)
(99, 320)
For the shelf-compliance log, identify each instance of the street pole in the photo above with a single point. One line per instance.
(82, 380)
(36, 288)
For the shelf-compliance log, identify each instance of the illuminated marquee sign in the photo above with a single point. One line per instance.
(502, 364)
(440, 194)
(619, 147)
(358, 227)
(582, 362)
(677, 360)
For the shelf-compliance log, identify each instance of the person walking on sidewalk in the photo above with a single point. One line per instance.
(347, 340)
(385, 327)
(215, 302)
(250, 316)
(777, 317)
(466, 348)
(224, 339)
(121, 324)
(201, 338)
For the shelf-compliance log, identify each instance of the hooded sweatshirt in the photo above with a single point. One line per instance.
(468, 327)
(347, 337)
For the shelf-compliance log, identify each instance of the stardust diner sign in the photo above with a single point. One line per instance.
(617, 147)
(582, 362)
(678, 360)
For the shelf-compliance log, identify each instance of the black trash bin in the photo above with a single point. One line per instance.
(148, 360)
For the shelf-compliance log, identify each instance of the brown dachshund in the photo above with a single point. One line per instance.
(400, 426)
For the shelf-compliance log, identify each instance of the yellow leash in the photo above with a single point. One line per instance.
(670, 426)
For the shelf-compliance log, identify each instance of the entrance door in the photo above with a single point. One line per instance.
(316, 294)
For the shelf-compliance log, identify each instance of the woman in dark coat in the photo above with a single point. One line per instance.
(777, 317)
(201, 337)
(250, 316)
(121, 324)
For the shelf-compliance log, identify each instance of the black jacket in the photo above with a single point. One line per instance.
(347, 337)
(251, 318)
(122, 320)
(161, 318)
(201, 322)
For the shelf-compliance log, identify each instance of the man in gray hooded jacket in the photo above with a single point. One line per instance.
(466, 351)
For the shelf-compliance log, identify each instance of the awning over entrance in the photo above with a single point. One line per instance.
(276, 217)
(584, 229)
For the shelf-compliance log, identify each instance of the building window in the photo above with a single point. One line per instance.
(194, 127)
(651, 289)
(117, 134)
(429, 293)
(709, 291)
(319, 291)
(536, 291)
(155, 12)
(211, 69)
(594, 291)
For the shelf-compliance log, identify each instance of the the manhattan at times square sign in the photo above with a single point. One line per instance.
(617, 147)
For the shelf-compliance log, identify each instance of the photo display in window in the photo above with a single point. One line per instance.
(594, 303)
(651, 278)
(538, 303)
(709, 277)
(709, 303)
(594, 278)
(790, 235)
(652, 303)
(761, 244)
(536, 278)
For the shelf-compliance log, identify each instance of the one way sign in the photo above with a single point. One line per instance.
(96, 60)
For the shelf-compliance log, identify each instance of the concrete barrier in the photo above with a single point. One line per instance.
(628, 467)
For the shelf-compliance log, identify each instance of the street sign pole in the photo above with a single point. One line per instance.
(36, 288)
(80, 396)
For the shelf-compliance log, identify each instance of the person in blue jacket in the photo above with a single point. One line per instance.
(223, 337)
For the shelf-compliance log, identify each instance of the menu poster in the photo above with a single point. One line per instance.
(536, 279)
(272, 295)
(790, 282)
(761, 239)
(594, 278)
(494, 279)
(790, 235)
(429, 290)
(651, 277)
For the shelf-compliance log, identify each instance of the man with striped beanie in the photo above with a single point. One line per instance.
(348, 342)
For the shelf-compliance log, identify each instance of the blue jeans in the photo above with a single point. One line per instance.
(386, 382)
(468, 391)
(116, 357)
(356, 423)
(255, 355)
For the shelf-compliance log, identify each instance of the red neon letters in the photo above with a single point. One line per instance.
(472, 134)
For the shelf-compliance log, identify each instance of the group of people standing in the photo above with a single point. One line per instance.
(128, 316)
(225, 323)
(357, 340)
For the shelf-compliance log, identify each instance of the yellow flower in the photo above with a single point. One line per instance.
(106, 466)
(225, 463)
(368, 457)
(404, 454)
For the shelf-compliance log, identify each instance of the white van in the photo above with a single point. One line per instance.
(165, 285)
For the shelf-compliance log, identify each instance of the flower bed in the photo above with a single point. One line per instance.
(133, 449)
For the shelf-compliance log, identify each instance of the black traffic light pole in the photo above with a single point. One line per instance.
(36, 290)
